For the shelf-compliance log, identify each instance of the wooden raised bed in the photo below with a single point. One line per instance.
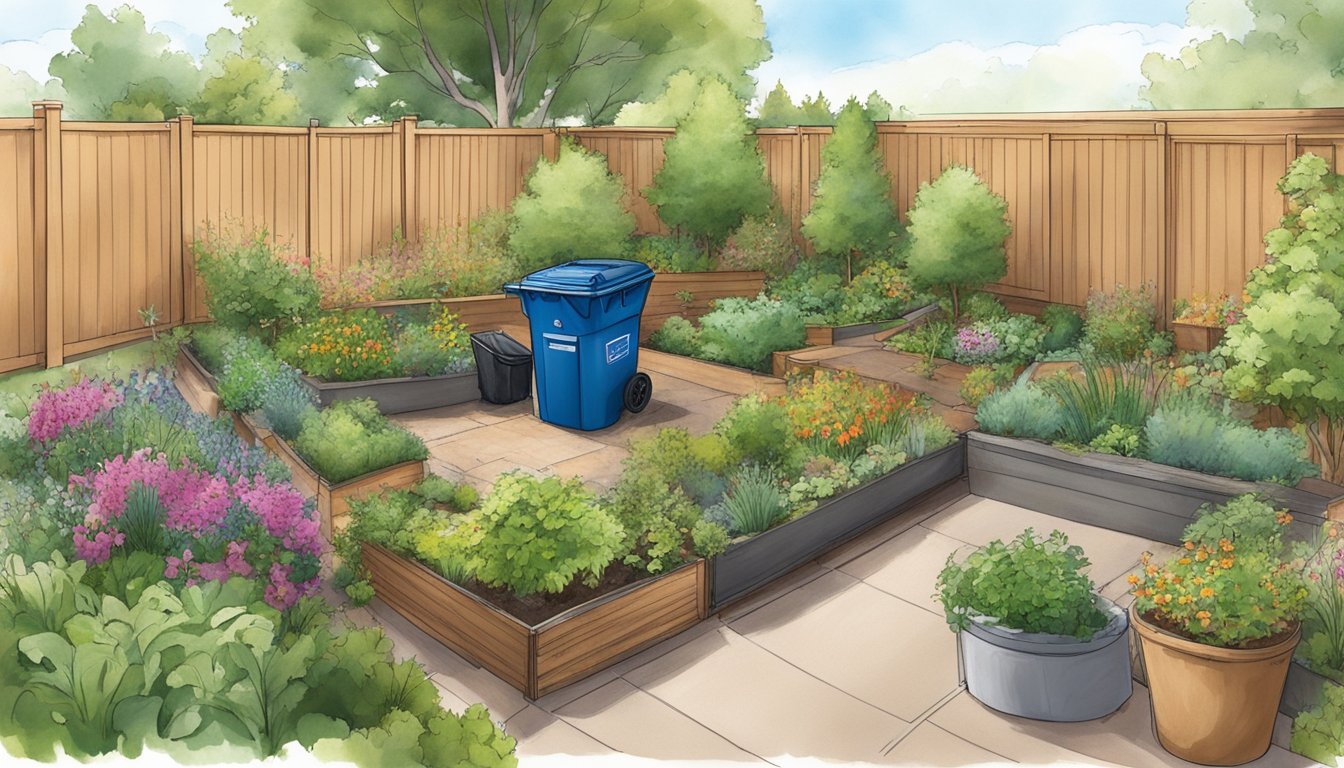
(333, 501)
(401, 394)
(1196, 338)
(538, 659)
(197, 385)
(725, 378)
(754, 562)
(1123, 494)
(825, 335)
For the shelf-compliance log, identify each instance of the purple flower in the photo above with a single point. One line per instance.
(975, 345)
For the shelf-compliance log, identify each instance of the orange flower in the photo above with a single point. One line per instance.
(1133, 578)
(1206, 592)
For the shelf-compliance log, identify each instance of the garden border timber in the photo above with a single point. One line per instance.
(400, 394)
(725, 378)
(749, 564)
(1132, 496)
(1190, 337)
(825, 335)
(537, 659)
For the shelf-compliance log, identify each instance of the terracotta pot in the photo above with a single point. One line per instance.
(1214, 706)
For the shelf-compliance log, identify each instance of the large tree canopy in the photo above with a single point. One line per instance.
(504, 62)
(1290, 58)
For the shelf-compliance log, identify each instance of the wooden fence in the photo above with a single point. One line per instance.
(96, 219)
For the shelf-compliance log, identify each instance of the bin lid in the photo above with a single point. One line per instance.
(587, 277)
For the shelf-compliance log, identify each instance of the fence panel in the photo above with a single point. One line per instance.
(23, 285)
(118, 249)
(357, 194)
(637, 155)
(461, 174)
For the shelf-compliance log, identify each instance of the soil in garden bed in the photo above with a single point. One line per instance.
(1251, 645)
(534, 609)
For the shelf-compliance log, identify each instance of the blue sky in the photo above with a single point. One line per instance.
(1044, 54)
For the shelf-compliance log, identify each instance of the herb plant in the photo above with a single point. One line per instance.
(1119, 323)
(351, 438)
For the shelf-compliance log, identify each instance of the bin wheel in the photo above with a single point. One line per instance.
(638, 392)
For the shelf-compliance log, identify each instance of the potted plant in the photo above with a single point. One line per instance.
(1200, 321)
(1218, 625)
(1036, 640)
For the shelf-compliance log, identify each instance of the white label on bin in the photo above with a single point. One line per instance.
(618, 348)
(561, 347)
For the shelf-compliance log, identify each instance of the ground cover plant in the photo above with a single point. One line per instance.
(156, 592)
(1132, 409)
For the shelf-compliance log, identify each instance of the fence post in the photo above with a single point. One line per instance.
(410, 214)
(184, 226)
(313, 123)
(47, 121)
(550, 144)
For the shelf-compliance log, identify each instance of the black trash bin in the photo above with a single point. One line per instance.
(503, 367)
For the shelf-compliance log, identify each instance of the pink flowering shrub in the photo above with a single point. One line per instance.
(975, 345)
(55, 410)
(223, 529)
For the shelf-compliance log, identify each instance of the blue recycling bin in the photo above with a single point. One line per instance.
(584, 318)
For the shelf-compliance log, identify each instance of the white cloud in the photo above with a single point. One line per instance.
(1094, 67)
(32, 56)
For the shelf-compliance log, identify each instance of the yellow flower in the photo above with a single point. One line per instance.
(1206, 592)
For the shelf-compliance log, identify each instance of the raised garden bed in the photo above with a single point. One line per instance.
(1196, 338)
(1123, 494)
(725, 378)
(752, 563)
(540, 658)
(333, 500)
(402, 394)
(824, 335)
(197, 385)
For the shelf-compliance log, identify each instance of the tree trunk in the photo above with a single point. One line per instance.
(956, 305)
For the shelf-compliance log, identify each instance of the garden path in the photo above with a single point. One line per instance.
(845, 661)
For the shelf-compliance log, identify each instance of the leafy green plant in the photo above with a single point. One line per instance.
(1285, 351)
(1120, 322)
(1030, 584)
(539, 535)
(286, 402)
(745, 332)
(211, 344)
(346, 345)
(713, 175)
(440, 490)
(656, 517)
(1318, 733)
(670, 253)
(1022, 410)
(1120, 439)
(982, 380)
(677, 336)
(250, 282)
(709, 538)
(351, 438)
(852, 213)
(879, 292)
(1063, 327)
(248, 372)
(957, 233)
(572, 208)
(758, 430)
(1103, 396)
(763, 243)
(982, 307)
(1189, 430)
(755, 500)
(1229, 593)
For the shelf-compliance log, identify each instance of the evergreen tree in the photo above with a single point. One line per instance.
(713, 174)
(957, 230)
(815, 111)
(777, 110)
(852, 212)
(876, 108)
(573, 208)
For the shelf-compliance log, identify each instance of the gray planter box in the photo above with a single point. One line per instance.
(754, 562)
(1049, 677)
(1123, 494)
(412, 393)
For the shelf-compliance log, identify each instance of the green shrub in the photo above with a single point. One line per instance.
(713, 175)
(573, 208)
(1063, 327)
(745, 332)
(1249, 522)
(957, 231)
(1022, 410)
(1318, 733)
(816, 291)
(440, 490)
(879, 292)
(852, 213)
(925, 432)
(757, 429)
(1286, 350)
(250, 369)
(1120, 439)
(421, 350)
(755, 500)
(539, 535)
(1190, 431)
(656, 520)
(251, 283)
(763, 243)
(677, 336)
(211, 344)
(1119, 324)
(351, 438)
(1030, 584)
(670, 253)
(982, 380)
(286, 401)
(1104, 396)
(981, 306)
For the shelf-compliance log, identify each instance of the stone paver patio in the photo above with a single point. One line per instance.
(846, 661)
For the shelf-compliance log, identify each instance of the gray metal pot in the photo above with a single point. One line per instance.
(1049, 677)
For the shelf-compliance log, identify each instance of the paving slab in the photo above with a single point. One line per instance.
(765, 705)
(929, 745)
(869, 644)
(908, 565)
(636, 723)
(540, 733)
